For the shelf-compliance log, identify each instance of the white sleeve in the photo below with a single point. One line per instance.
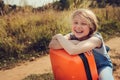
(102, 49)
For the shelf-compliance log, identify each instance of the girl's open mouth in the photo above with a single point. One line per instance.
(78, 31)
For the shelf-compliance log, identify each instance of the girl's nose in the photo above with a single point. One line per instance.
(79, 27)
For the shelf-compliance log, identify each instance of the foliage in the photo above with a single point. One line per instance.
(70, 4)
(26, 34)
(110, 29)
(109, 24)
(46, 76)
(23, 35)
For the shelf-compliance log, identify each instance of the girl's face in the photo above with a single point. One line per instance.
(80, 27)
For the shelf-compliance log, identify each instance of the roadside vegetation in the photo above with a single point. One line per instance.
(25, 32)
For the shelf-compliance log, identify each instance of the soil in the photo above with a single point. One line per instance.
(38, 66)
(42, 65)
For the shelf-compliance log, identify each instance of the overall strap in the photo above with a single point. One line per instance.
(86, 65)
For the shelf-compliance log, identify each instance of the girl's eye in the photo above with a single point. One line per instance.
(84, 23)
(75, 22)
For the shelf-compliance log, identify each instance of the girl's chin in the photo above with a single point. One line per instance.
(78, 34)
(79, 37)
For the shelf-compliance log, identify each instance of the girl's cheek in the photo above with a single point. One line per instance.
(73, 28)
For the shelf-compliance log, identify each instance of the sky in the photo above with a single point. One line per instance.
(34, 3)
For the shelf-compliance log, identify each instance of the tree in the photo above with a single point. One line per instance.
(2, 7)
(64, 4)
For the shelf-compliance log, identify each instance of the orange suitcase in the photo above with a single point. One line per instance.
(75, 67)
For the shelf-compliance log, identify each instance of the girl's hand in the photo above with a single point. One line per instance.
(54, 44)
(89, 53)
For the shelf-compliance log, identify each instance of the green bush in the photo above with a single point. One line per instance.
(28, 34)
(24, 36)
(46, 76)
(109, 29)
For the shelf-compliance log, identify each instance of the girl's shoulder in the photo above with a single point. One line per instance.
(98, 35)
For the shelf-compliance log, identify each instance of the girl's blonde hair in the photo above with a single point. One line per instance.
(89, 16)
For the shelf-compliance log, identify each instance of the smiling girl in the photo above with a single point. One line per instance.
(84, 38)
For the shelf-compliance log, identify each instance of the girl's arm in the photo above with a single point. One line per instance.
(54, 44)
(81, 47)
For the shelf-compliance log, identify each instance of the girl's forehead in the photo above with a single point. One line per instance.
(80, 18)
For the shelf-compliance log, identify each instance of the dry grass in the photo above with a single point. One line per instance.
(115, 57)
(19, 31)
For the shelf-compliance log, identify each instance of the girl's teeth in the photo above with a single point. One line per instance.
(78, 31)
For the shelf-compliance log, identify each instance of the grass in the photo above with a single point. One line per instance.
(46, 76)
(23, 35)
(114, 54)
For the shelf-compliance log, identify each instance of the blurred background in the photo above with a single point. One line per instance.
(27, 26)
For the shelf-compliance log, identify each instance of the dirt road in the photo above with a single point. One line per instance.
(41, 65)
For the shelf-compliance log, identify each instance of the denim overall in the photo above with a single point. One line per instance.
(102, 59)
